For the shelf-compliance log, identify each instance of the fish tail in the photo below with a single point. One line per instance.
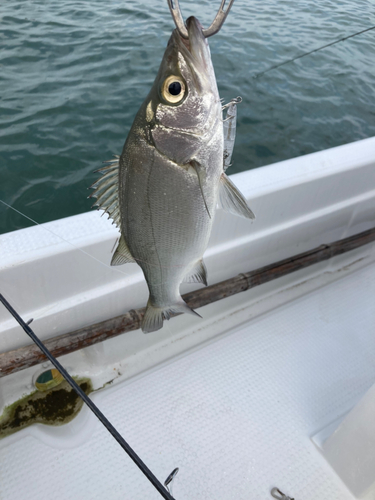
(154, 316)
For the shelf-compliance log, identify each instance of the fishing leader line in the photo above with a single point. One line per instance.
(163, 490)
(257, 75)
(111, 268)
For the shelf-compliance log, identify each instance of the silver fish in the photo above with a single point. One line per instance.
(162, 192)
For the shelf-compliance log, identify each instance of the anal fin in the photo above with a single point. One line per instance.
(198, 274)
(232, 200)
(122, 254)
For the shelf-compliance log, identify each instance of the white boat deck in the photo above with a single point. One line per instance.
(236, 400)
(235, 415)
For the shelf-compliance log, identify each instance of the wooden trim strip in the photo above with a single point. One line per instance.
(25, 357)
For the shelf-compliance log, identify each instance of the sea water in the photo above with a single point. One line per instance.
(74, 73)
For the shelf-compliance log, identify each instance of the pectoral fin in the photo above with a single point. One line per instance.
(201, 173)
(232, 200)
(198, 274)
(122, 254)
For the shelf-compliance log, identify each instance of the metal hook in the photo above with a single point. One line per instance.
(275, 492)
(216, 24)
(236, 100)
(170, 479)
(219, 20)
(177, 18)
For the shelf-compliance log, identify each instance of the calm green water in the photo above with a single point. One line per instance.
(74, 73)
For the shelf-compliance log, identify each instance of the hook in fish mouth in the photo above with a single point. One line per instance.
(216, 24)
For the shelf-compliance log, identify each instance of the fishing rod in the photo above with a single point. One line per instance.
(163, 490)
(311, 52)
(166, 490)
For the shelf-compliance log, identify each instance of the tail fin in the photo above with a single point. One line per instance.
(154, 316)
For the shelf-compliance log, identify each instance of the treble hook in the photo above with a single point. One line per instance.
(275, 492)
(216, 24)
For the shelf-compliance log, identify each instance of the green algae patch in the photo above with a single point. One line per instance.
(57, 406)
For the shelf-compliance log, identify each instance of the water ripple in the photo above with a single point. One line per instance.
(74, 73)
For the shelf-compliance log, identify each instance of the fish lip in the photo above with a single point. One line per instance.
(195, 29)
(195, 51)
(196, 45)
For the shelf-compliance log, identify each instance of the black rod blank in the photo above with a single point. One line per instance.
(107, 424)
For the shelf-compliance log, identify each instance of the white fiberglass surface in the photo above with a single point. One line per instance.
(59, 274)
(236, 415)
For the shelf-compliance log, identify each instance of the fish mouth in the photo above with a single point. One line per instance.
(195, 50)
(196, 36)
(196, 44)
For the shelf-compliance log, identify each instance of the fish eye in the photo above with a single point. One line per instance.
(173, 89)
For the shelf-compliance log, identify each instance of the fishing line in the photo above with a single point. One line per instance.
(63, 239)
(110, 268)
(107, 424)
(311, 52)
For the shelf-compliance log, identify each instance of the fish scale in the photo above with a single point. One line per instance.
(174, 221)
(170, 177)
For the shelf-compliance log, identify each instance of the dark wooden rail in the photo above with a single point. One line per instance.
(24, 357)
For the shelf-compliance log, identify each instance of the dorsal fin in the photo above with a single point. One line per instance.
(106, 190)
